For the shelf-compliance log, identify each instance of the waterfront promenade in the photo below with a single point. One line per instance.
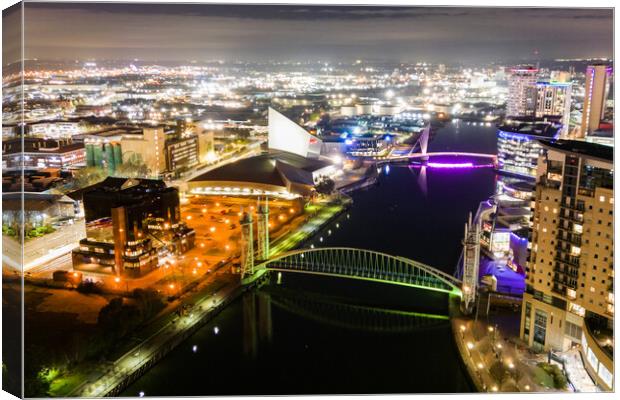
(496, 363)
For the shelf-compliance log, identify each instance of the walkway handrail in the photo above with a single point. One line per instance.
(451, 278)
(448, 279)
(444, 153)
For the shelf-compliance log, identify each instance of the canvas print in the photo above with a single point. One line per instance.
(214, 199)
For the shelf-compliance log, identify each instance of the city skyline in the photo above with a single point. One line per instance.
(306, 200)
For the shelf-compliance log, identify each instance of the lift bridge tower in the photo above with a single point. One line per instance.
(471, 265)
(247, 244)
(262, 230)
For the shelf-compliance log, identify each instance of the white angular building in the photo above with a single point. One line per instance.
(288, 136)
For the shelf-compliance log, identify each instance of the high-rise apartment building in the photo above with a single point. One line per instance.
(596, 91)
(554, 99)
(521, 91)
(569, 294)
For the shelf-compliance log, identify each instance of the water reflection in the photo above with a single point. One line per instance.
(257, 324)
(334, 312)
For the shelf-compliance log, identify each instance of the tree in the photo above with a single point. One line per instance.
(325, 186)
(88, 176)
(149, 302)
(499, 372)
(133, 167)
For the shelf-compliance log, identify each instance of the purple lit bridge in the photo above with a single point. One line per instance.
(424, 158)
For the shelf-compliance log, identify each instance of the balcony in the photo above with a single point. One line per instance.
(572, 272)
(570, 260)
(585, 192)
(548, 183)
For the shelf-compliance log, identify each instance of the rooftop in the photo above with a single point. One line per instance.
(262, 169)
(543, 128)
(588, 149)
(39, 145)
(126, 185)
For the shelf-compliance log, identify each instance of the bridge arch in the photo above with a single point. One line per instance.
(366, 265)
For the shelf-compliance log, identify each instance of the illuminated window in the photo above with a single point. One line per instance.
(571, 293)
(575, 251)
(578, 228)
(577, 309)
(601, 199)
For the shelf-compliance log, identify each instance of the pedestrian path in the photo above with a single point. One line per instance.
(576, 372)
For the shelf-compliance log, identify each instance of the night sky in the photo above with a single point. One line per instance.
(181, 32)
